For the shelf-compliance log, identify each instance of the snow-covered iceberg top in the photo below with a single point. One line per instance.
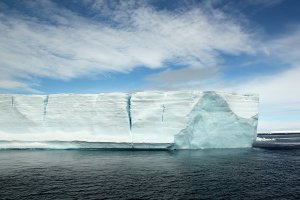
(189, 119)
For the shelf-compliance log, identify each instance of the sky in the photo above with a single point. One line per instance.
(94, 46)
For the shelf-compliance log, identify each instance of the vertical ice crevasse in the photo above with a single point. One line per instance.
(163, 107)
(45, 107)
(128, 108)
(163, 111)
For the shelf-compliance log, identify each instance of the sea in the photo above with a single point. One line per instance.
(249, 173)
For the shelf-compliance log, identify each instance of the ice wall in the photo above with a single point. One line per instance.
(191, 119)
(158, 116)
(65, 117)
(20, 113)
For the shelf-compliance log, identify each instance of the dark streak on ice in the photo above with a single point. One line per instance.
(12, 101)
(129, 110)
(163, 111)
(45, 106)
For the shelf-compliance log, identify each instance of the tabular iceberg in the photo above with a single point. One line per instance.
(182, 119)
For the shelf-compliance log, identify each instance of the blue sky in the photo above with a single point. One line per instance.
(93, 46)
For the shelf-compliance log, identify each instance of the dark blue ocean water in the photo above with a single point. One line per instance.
(201, 174)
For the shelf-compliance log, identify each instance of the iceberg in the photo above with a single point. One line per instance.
(149, 119)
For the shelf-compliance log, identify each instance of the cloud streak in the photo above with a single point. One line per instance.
(58, 43)
(279, 92)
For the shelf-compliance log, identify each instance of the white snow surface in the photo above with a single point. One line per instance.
(189, 119)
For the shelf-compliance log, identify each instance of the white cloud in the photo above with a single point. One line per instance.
(269, 126)
(280, 88)
(12, 84)
(277, 89)
(279, 99)
(279, 92)
(61, 44)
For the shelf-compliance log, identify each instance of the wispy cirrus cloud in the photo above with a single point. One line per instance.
(280, 87)
(59, 43)
(279, 92)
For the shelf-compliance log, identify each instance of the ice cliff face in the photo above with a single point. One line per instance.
(191, 119)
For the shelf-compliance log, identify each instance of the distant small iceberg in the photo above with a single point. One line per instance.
(278, 140)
